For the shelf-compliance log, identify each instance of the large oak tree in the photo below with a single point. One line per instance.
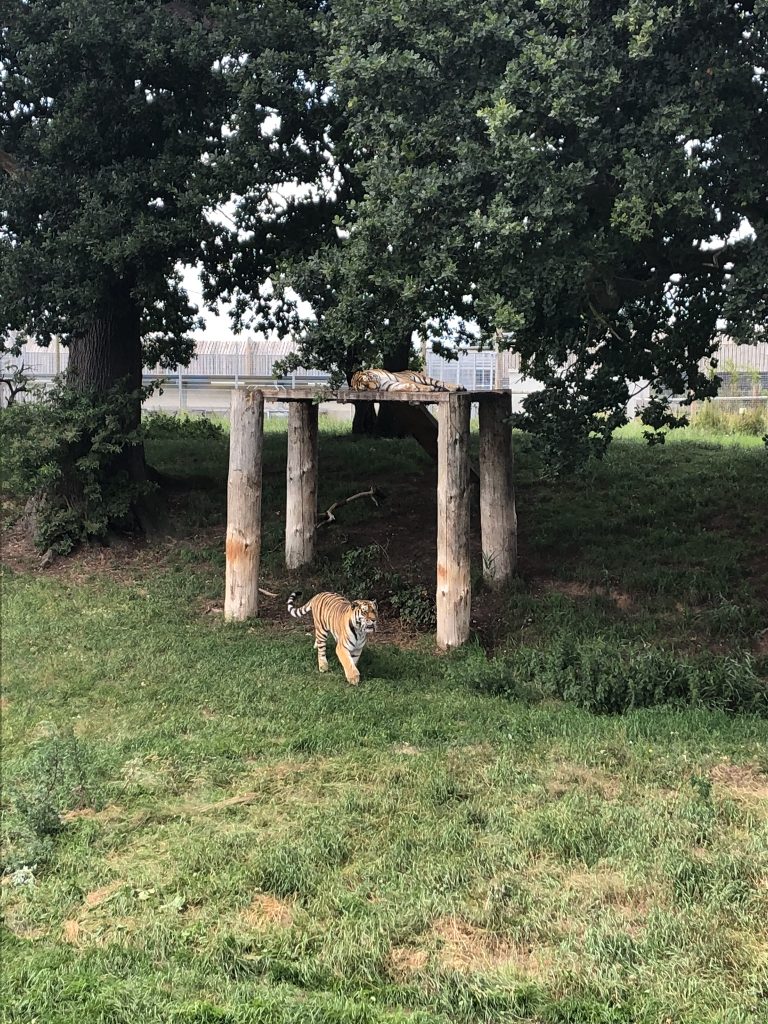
(572, 175)
(111, 118)
(121, 136)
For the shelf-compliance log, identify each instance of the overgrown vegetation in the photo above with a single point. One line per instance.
(368, 571)
(732, 417)
(71, 453)
(159, 425)
(607, 675)
(199, 827)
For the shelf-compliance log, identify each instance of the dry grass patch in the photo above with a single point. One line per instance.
(570, 777)
(406, 960)
(466, 948)
(98, 896)
(604, 890)
(407, 748)
(110, 813)
(740, 780)
(98, 931)
(576, 590)
(267, 911)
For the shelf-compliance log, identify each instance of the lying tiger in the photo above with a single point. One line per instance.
(403, 380)
(348, 622)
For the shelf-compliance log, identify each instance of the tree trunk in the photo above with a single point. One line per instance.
(364, 420)
(108, 353)
(104, 359)
(243, 551)
(454, 588)
(301, 480)
(389, 421)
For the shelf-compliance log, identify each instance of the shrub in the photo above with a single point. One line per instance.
(161, 426)
(367, 573)
(64, 452)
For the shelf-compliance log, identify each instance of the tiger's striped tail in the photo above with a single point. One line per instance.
(298, 612)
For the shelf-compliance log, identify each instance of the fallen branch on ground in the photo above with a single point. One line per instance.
(268, 593)
(372, 493)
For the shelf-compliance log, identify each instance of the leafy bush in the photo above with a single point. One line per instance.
(64, 452)
(368, 573)
(160, 426)
(610, 677)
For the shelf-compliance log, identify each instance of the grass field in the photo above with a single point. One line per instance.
(217, 833)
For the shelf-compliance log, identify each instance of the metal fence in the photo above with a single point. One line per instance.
(204, 385)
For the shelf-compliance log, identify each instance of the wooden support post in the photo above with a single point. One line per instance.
(498, 518)
(453, 500)
(301, 494)
(246, 445)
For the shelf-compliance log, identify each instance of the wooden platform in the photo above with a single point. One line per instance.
(348, 395)
(448, 439)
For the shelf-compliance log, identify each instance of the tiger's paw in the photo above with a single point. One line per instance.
(353, 680)
(323, 666)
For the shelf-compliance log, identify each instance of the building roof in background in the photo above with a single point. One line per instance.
(278, 347)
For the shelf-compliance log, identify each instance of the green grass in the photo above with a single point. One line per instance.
(223, 835)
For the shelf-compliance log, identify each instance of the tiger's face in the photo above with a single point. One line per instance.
(366, 615)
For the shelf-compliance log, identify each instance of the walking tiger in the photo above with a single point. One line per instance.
(403, 380)
(348, 622)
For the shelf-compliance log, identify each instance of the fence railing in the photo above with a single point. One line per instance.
(205, 384)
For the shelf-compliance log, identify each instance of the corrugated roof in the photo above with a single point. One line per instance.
(278, 347)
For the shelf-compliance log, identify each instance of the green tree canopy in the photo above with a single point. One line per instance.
(121, 126)
(111, 119)
(122, 131)
(572, 174)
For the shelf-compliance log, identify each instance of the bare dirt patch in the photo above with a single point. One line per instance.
(119, 560)
(267, 911)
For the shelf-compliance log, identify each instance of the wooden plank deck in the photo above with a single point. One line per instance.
(344, 395)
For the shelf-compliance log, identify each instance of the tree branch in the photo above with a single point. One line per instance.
(9, 164)
(373, 493)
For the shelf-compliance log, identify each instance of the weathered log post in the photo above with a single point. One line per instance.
(453, 501)
(246, 446)
(498, 518)
(301, 492)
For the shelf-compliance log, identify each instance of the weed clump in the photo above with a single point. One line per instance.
(606, 676)
(57, 776)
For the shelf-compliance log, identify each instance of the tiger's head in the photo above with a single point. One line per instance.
(366, 615)
(364, 381)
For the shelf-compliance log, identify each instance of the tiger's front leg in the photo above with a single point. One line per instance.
(322, 659)
(348, 664)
